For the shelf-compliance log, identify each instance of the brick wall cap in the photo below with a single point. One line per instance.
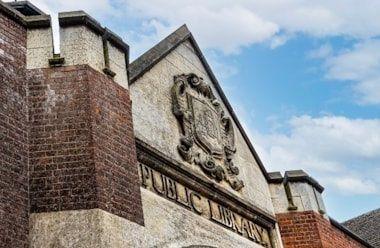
(75, 18)
(39, 21)
(302, 176)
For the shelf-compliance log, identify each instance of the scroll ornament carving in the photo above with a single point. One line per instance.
(203, 125)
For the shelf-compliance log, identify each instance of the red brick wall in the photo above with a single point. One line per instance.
(310, 230)
(82, 146)
(332, 237)
(62, 171)
(13, 136)
(118, 186)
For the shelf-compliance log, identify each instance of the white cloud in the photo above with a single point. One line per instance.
(279, 40)
(352, 185)
(341, 153)
(360, 66)
(99, 8)
(322, 52)
(229, 25)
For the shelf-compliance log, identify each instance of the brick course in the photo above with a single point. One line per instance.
(13, 135)
(310, 230)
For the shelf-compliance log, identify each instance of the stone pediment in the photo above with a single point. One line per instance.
(212, 141)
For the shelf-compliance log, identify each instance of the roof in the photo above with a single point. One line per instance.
(154, 55)
(366, 226)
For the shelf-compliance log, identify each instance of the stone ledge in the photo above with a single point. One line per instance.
(170, 167)
(301, 176)
(275, 177)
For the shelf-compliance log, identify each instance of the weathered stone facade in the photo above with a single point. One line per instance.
(98, 152)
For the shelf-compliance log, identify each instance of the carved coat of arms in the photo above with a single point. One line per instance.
(207, 134)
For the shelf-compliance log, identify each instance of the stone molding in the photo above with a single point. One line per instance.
(180, 172)
(295, 176)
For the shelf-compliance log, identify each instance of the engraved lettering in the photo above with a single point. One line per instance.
(145, 175)
(155, 186)
(254, 234)
(227, 217)
(245, 227)
(218, 218)
(235, 224)
(196, 208)
(171, 190)
(184, 201)
(194, 201)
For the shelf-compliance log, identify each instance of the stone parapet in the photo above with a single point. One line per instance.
(82, 41)
(85, 41)
(296, 191)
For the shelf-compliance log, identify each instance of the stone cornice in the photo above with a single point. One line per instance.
(295, 176)
(178, 171)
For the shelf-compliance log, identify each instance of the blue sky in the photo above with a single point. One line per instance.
(304, 77)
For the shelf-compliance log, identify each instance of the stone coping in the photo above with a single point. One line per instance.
(295, 176)
(37, 21)
(28, 6)
(75, 18)
(146, 61)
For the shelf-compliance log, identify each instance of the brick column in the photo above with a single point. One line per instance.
(82, 143)
(13, 135)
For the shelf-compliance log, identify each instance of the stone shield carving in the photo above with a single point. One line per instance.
(207, 134)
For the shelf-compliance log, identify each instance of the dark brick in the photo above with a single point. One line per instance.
(13, 136)
(82, 146)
